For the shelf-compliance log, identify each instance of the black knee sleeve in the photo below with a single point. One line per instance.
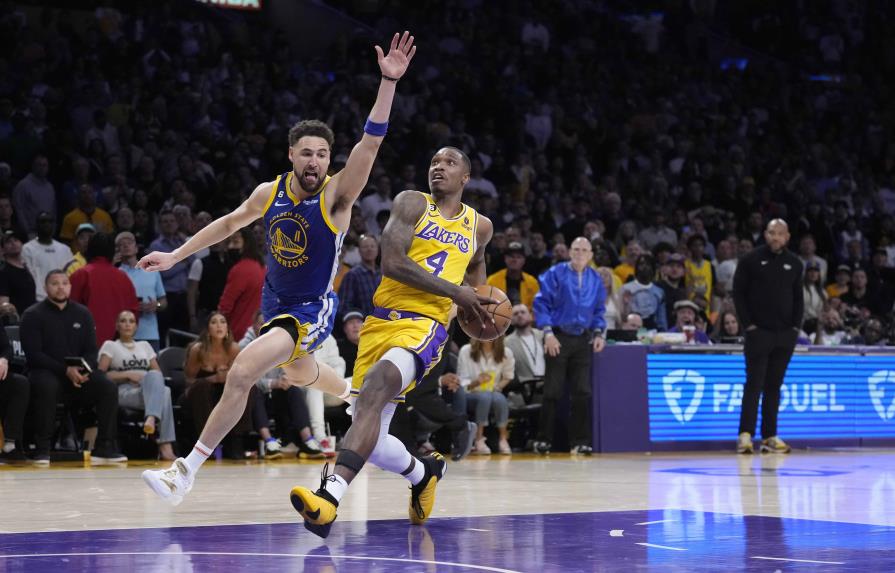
(351, 460)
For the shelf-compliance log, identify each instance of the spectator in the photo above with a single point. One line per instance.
(725, 264)
(727, 329)
(673, 282)
(103, 289)
(632, 321)
(569, 309)
(34, 195)
(14, 392)
(148, 287)
(51, 331)
(242, 293)
(527, 345)
(767, 291)
(206, 281)
(132, 365)
(79, 247)
(872, 334)
(485, 368)
(207, 363)
(85, 212)
(860, 296)
(519, 286)
(539, 260)
(808, 254)
(359, 284)
(699, 273)
(831, 330)
(373, 204)
(613, 314)
(16, 282)
(814, 295)
(43, 254)
(842, 282)
(8, 220)
(560, 255)
(625, 270)
(351, 323)
(177, 314)
(478, 183)
(658, 232)
(685, 312)
(643, 297)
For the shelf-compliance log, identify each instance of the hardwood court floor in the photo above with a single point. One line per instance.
(819, 510)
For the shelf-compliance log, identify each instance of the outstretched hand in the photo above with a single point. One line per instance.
(399, 55)
(156, 261)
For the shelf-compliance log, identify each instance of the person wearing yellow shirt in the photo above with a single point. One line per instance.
(625, 271)
(79, 247)
(520, 286)
(85, 212)
(841, 284)
(698, 276)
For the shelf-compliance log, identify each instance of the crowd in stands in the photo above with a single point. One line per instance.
(127, 129)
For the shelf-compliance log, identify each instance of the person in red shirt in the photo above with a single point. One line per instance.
(102, 288)
(241, 298)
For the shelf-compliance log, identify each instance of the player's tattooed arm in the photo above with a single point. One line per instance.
(475, 271)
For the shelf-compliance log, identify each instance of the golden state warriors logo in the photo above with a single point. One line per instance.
(287, 238)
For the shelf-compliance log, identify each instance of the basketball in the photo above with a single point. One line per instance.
(501, 312)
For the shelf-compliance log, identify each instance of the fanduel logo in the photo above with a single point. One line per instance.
(673, 385)
(877, 393)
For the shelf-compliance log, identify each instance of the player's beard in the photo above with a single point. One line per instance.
(303, 185)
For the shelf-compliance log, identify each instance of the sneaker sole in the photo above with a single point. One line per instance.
(766, 450)
(160, 489)
(273, 456)
(300, 497)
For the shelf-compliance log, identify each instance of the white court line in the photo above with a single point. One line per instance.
(798, 560)
(474, 529)
(237, 554)
(657, 521)
(616, 533)
(662, 546)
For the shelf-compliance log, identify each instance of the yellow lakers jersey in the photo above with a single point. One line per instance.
(441, 246)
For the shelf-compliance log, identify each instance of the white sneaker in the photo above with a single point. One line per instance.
(171, 484)
(273, 450)
(481, 448)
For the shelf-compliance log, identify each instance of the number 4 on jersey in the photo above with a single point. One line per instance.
(436, 262)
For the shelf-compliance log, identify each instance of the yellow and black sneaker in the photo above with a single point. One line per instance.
(317, 508)
(422, 495)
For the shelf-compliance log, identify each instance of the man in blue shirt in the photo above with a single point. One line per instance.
(569, 309)
(174, 279)
(149, 287)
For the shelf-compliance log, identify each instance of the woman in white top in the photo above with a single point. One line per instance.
(133, 366)
(484, 369)
(611, 315)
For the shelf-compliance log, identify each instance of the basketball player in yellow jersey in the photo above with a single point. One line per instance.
(431, 245)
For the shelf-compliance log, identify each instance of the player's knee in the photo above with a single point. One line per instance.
(240, 377)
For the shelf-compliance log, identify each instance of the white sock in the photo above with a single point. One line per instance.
(335, 486)
(9, 446)
(197, 457)
(418, 472)
(347, 392)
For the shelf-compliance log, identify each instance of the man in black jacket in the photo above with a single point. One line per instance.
(767, 291)
(13, 404)
(51, 331)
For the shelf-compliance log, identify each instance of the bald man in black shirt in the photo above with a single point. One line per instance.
(767, 292)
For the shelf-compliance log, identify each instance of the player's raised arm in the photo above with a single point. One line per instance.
(215, 232)
(350, 181)
(397, 237)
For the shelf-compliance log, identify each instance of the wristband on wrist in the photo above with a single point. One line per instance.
(376, 129)
(547, 330)
(389, 78)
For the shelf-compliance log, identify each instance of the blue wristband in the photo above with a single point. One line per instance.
(376, 129)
